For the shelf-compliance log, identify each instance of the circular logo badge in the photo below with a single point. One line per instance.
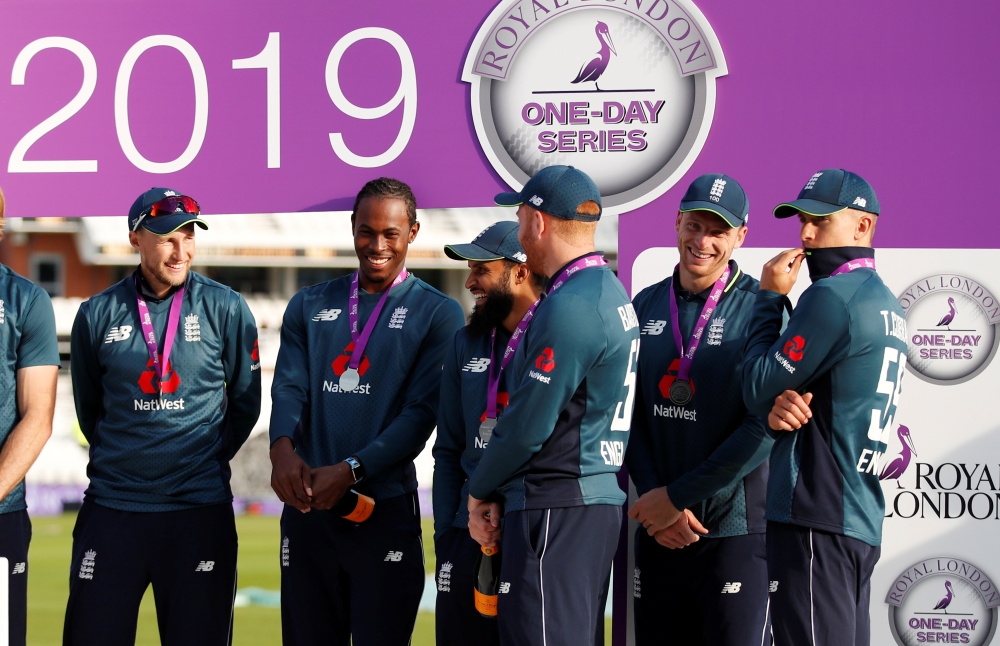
(943, 600)
(951, 322)
(625, 93)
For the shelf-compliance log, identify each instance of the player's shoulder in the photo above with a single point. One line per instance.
(205, 289)
(649, 296)
(14, 285)
(322, 291)
(745, 283)
(428, 293)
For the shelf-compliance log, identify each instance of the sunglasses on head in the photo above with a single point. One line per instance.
(169, 206)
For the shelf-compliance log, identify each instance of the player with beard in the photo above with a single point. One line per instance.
(28, 377)
(505, 291)
(355, 398)
(830, 385)
(166, 379)
(554, 455)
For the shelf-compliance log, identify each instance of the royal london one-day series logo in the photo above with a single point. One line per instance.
(952, 322)
(943, 600)
(623, 90)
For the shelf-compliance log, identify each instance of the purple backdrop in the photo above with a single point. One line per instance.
(900, 93)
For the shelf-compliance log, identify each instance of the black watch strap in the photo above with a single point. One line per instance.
(357, 469)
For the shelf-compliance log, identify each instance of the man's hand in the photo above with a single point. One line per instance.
(329, 484)
(682, 533)
(790, 411)
(655, 511)
(290, 477)
(780, 272)
(484, 522)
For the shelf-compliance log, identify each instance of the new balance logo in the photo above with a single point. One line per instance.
(19, 568)
(119, 333)
(732, 588)
(715, 193)
(477, 364)
(534, 199)
(395, 557)
(520, 256)
(398, 317)
(87, 564)
(653, 328)
(504, 587)
(773, 586)
(860, 201)
(327, 315)
(812, 181)
(205, 566)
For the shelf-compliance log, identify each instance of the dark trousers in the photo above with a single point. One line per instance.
(15, 535)
(821, 586)
(348, 583)
(188, 556)
(555, 573)
(456, 619)
(710, 593)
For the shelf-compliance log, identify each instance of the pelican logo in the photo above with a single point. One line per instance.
(943, 600)
(898, 466)
(625, 92)
(952, 322)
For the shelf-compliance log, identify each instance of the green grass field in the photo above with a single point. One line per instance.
(48, 585)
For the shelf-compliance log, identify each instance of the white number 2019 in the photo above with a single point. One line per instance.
(623, 411)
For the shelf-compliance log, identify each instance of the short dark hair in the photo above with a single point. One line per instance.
(538, 280)
(386, 188)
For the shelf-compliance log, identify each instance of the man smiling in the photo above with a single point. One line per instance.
(473, 396)
(697, 457)
(354, 399)
(164, 412)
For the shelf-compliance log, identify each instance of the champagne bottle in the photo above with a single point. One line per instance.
(355, 507)
(488, 581)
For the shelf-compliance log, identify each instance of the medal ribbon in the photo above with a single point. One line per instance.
(851, 265)
(687, 357)
(149, 334)
(361, 340)
(493, 383)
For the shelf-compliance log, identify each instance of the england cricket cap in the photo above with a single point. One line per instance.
(165, 223)
(496, 242)
(720, 194)
(558, 191)
(831, 191)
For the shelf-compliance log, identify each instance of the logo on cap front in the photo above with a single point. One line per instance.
(812, 181)
(625, 92)
(715, 193)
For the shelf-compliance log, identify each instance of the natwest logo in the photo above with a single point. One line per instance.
(340, 363)
(546, 360)
(670, 377)
(151, 384)
(794, 348)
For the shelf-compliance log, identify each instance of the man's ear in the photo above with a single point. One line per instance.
(521, 274)
(414, 229)
(133, 239)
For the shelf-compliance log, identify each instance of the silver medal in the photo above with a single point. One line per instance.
(681, 392)
(486, 429)
(350, 379)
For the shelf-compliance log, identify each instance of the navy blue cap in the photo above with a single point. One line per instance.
(831, 191)
(496, 242)
(163, 224)
(558, 191)
(720, 194)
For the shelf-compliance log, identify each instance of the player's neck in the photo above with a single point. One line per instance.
(697, 284)
(522, 301)
(561, 255)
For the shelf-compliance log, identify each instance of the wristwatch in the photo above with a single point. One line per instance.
(357, 470)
